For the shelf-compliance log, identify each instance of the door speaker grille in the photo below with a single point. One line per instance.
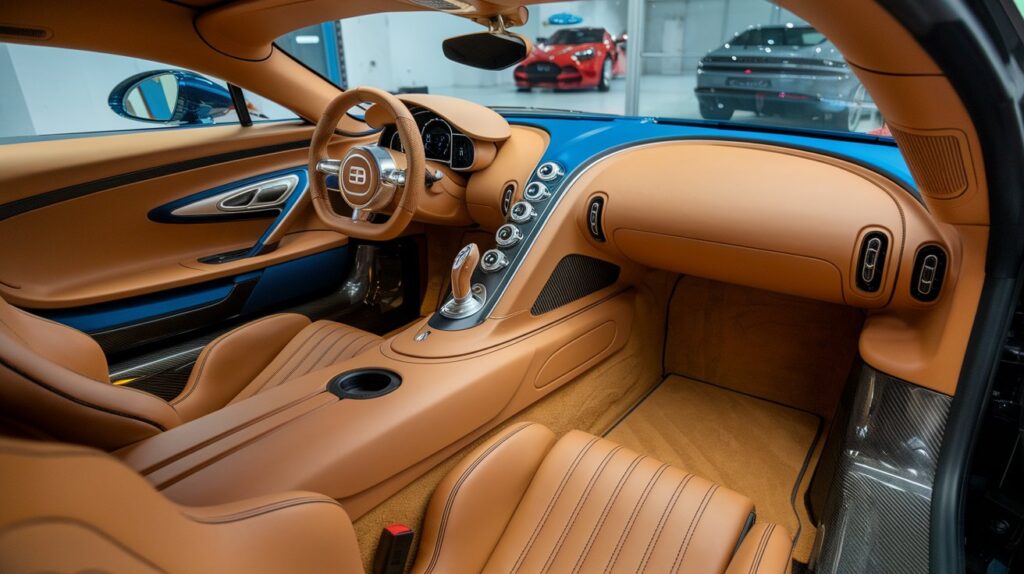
(574, 277)
(936, 162)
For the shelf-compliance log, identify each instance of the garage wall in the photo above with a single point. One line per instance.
(403, 50)
(678, 33)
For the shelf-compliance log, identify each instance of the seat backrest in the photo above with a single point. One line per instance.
(54, 383)
(66, 508)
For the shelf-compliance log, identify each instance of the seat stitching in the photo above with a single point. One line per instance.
(205, 357)
(604, 512)
(691, 530)
(293, 357)
(450, 500)
(349, 336)
(762, 546)
(327, 340)
(580, 504)
(633, 516)
(260, 510)
(653, 543)
(551, 503)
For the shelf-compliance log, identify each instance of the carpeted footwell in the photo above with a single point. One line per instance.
(753, 446)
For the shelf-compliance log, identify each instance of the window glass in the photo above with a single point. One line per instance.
(746, 61)
(46, 91)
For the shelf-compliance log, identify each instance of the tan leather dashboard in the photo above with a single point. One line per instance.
(764, 217)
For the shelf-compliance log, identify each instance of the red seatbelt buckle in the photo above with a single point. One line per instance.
(393, 549)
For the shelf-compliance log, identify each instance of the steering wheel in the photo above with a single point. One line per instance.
(369, 176)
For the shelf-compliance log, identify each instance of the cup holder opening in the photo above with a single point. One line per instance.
(364, 384)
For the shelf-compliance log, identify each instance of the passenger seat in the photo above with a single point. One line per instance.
(521, 502)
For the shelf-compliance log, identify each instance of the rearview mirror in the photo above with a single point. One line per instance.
(170, 96)
(487, 50)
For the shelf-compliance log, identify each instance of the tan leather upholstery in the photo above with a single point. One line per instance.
(319, 345)
(54, 381)
(525, 503)
(521, 502)
(72, 509)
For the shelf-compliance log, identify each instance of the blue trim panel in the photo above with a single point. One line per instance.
(163, 214)
(576, 140)
(104, 316)
(276, 285)
(298, 279)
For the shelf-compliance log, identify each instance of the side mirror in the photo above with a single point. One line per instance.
(487, 50)
(170, 96)
(541, 40)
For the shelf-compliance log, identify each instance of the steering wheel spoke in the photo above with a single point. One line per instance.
(329, 166)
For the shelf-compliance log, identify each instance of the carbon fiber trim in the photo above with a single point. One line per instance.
(575, 276)
(877, 518)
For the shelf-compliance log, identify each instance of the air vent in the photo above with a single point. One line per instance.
(871, 261)
(24, 32)
(929, 272)
(936, 162)
(574, 277)
(506, 197)
(595, 218)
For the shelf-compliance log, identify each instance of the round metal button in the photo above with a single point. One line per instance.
(536, 191)
(521, 212)
(493, 260)
(508, 235)
(549, 171)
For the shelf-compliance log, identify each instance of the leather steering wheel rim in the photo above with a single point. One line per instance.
(412, 144)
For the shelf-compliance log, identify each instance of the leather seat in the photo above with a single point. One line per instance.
(54, 381)
(521, 502)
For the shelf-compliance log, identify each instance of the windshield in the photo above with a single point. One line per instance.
(748, 62)
(579, 36)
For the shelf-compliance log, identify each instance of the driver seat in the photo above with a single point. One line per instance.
(54, 382)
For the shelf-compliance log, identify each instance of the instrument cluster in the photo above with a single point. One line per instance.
(441, 142)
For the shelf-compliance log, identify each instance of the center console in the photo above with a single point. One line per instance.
(523, 318)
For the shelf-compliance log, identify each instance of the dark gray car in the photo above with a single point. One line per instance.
(786, 70)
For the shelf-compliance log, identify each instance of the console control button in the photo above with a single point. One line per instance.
(549, 171)
(536, 191)
(493, 260)
(521, 212)
(508, 235)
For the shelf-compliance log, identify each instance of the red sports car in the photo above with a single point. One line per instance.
(571, 58)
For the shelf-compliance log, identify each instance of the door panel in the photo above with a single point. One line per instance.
(98, 239)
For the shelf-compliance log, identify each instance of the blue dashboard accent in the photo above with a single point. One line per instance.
(574, 141)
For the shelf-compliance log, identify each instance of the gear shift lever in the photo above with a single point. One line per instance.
(465, 299)
(462, 271)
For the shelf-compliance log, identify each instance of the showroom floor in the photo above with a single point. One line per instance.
(667, 96)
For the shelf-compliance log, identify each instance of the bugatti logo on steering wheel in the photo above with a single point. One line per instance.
(356, 175)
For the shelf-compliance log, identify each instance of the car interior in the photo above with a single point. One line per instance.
(552, 343)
